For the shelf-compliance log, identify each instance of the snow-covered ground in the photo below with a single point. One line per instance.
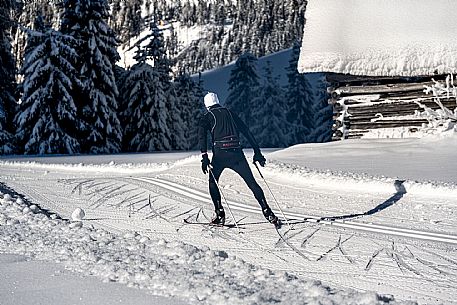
(26, 281)
(371, 222)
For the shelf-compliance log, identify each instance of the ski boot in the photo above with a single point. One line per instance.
(271, 217)
(219, 220)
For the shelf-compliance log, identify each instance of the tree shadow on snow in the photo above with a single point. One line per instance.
(401, 191)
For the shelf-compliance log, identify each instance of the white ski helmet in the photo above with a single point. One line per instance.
(210, 99)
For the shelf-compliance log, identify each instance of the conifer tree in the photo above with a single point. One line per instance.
(175, 120)
(243, 87)
(149, 124)
(157, 52)
(85, 20)
(322, 118)
(299, 105)
(271, 126)
(26, 13)
(189, 95)
(47, 120)
(145, 113)
(7, 78)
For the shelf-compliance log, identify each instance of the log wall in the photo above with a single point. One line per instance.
(364, 104)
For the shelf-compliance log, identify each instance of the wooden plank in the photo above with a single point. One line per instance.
(400, 106)
(378, 89)
(337, 79)
(425, 98)
(388, 124)
(385, 112)
(369, 118)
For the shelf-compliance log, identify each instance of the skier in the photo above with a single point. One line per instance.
(225, 128)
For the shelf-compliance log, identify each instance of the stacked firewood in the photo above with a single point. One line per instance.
(364, 104)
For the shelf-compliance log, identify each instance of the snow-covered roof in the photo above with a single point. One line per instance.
(380, 37)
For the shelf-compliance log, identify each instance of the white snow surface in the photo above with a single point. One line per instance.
(380, 38)
(393, 240)
(164, 268)
(26, 281)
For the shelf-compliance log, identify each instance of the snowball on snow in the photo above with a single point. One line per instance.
(78, 214)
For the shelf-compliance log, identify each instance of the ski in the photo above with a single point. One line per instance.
(232, 225)
(208, 224)
(313, 220)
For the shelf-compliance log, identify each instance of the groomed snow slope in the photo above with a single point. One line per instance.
(394, 231)
(198, 275)
(380, 38)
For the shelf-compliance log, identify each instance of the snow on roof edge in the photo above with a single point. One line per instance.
(380, 38)
(403, 62)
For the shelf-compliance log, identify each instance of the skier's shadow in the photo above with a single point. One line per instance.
(401, 191)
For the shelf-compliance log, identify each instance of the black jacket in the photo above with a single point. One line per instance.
(222, 123)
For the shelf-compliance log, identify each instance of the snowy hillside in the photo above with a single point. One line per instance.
(217, 80)
(204, 34)
(367, 228)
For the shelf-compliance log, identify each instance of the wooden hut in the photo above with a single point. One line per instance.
(380, 55)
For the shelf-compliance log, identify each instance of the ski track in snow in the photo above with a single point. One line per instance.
(394, 251)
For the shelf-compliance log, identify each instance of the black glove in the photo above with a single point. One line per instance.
(258, 157)
(205, 163)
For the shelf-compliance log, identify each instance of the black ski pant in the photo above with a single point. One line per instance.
(233, 159)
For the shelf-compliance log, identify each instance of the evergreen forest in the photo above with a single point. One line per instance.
(62, 90)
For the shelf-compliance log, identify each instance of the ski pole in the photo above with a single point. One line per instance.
(223, 196)
(269, 189)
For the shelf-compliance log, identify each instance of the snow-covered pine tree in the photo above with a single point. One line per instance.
(26, 14)
(172, 43)
(299, 106)
(7, 79)
(175, 122)
(126, 19)
(85, 20)
(322, 111)
(145, 114)
(244, 87)
(189, 95)
(119, 73)
(147, 117)
(271, 125)
(47, 120)
(157, 52)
